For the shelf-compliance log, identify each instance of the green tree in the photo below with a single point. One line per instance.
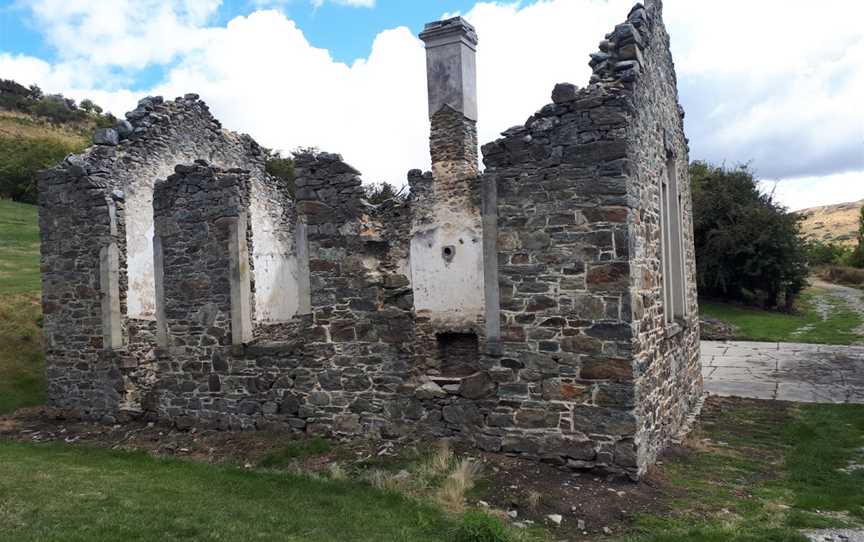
(90, 107)
(748, 247)
(857, 258)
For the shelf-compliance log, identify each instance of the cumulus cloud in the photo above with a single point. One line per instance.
(126, 33)
(772, 83)
(351, 3)
(762, 82)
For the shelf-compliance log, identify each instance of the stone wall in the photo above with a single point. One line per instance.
(579, 254)
(96, 218)
(666, 362)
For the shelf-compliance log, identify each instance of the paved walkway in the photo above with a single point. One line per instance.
(805, 373)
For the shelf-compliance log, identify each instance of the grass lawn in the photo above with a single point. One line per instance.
(762, 471)
(56, 492)
(807, 326)
(753, 471)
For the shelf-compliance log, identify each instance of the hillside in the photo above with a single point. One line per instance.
(37, 131)
(29, 144)
(832, 223)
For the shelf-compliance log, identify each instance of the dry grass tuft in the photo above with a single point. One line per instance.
(452, 493)
(337, 472)
(534, 498)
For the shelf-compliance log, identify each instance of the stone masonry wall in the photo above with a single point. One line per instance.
(666, 364)
(82, 375)
(579, 253)
(360, 349)
(197, 213)
(563, 252)
(101, 201)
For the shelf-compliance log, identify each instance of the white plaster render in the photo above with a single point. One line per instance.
(141, 294)
(451, 292)
(277, 273)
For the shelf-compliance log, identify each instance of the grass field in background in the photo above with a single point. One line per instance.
(22, 378)
(19, 248)
(805, 326)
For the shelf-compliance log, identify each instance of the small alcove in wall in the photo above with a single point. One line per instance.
(458, 353)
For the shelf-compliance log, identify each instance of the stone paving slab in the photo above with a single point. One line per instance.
(806, 373)
(835, 535)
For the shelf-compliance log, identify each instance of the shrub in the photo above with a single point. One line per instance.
(23, 159)
(820, 253)
(748, 247)
(282, 168)
(838, 274)
(377, 193)
(480, 527)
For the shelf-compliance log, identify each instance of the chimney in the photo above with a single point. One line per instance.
(451, 80)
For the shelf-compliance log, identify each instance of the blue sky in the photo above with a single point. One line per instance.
(771, 83)
(346, 31)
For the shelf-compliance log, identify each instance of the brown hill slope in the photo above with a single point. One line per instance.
(832, 223)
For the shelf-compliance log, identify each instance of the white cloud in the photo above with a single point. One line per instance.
(805, 192)
(351, 3)
(768, 82)
(772, 82)
(126, 33)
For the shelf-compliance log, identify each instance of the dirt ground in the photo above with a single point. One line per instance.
(592, 505)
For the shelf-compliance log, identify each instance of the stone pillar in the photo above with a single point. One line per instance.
(203, 282)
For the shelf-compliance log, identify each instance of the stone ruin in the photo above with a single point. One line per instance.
(545, 307)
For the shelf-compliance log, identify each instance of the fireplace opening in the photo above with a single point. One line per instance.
(458, 353)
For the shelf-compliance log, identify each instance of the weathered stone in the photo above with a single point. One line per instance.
(465, 414)
(564, 92)
(106, 136)
(429, 390)
(477, 386)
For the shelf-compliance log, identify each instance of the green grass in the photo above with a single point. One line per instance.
(22, 372)
(771, 470)
(22, 378)
(19, 248)
(826, 438)
(55, 492)
(806, 326)
(294, 451)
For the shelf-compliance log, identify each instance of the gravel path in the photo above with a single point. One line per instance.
(852, 296)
